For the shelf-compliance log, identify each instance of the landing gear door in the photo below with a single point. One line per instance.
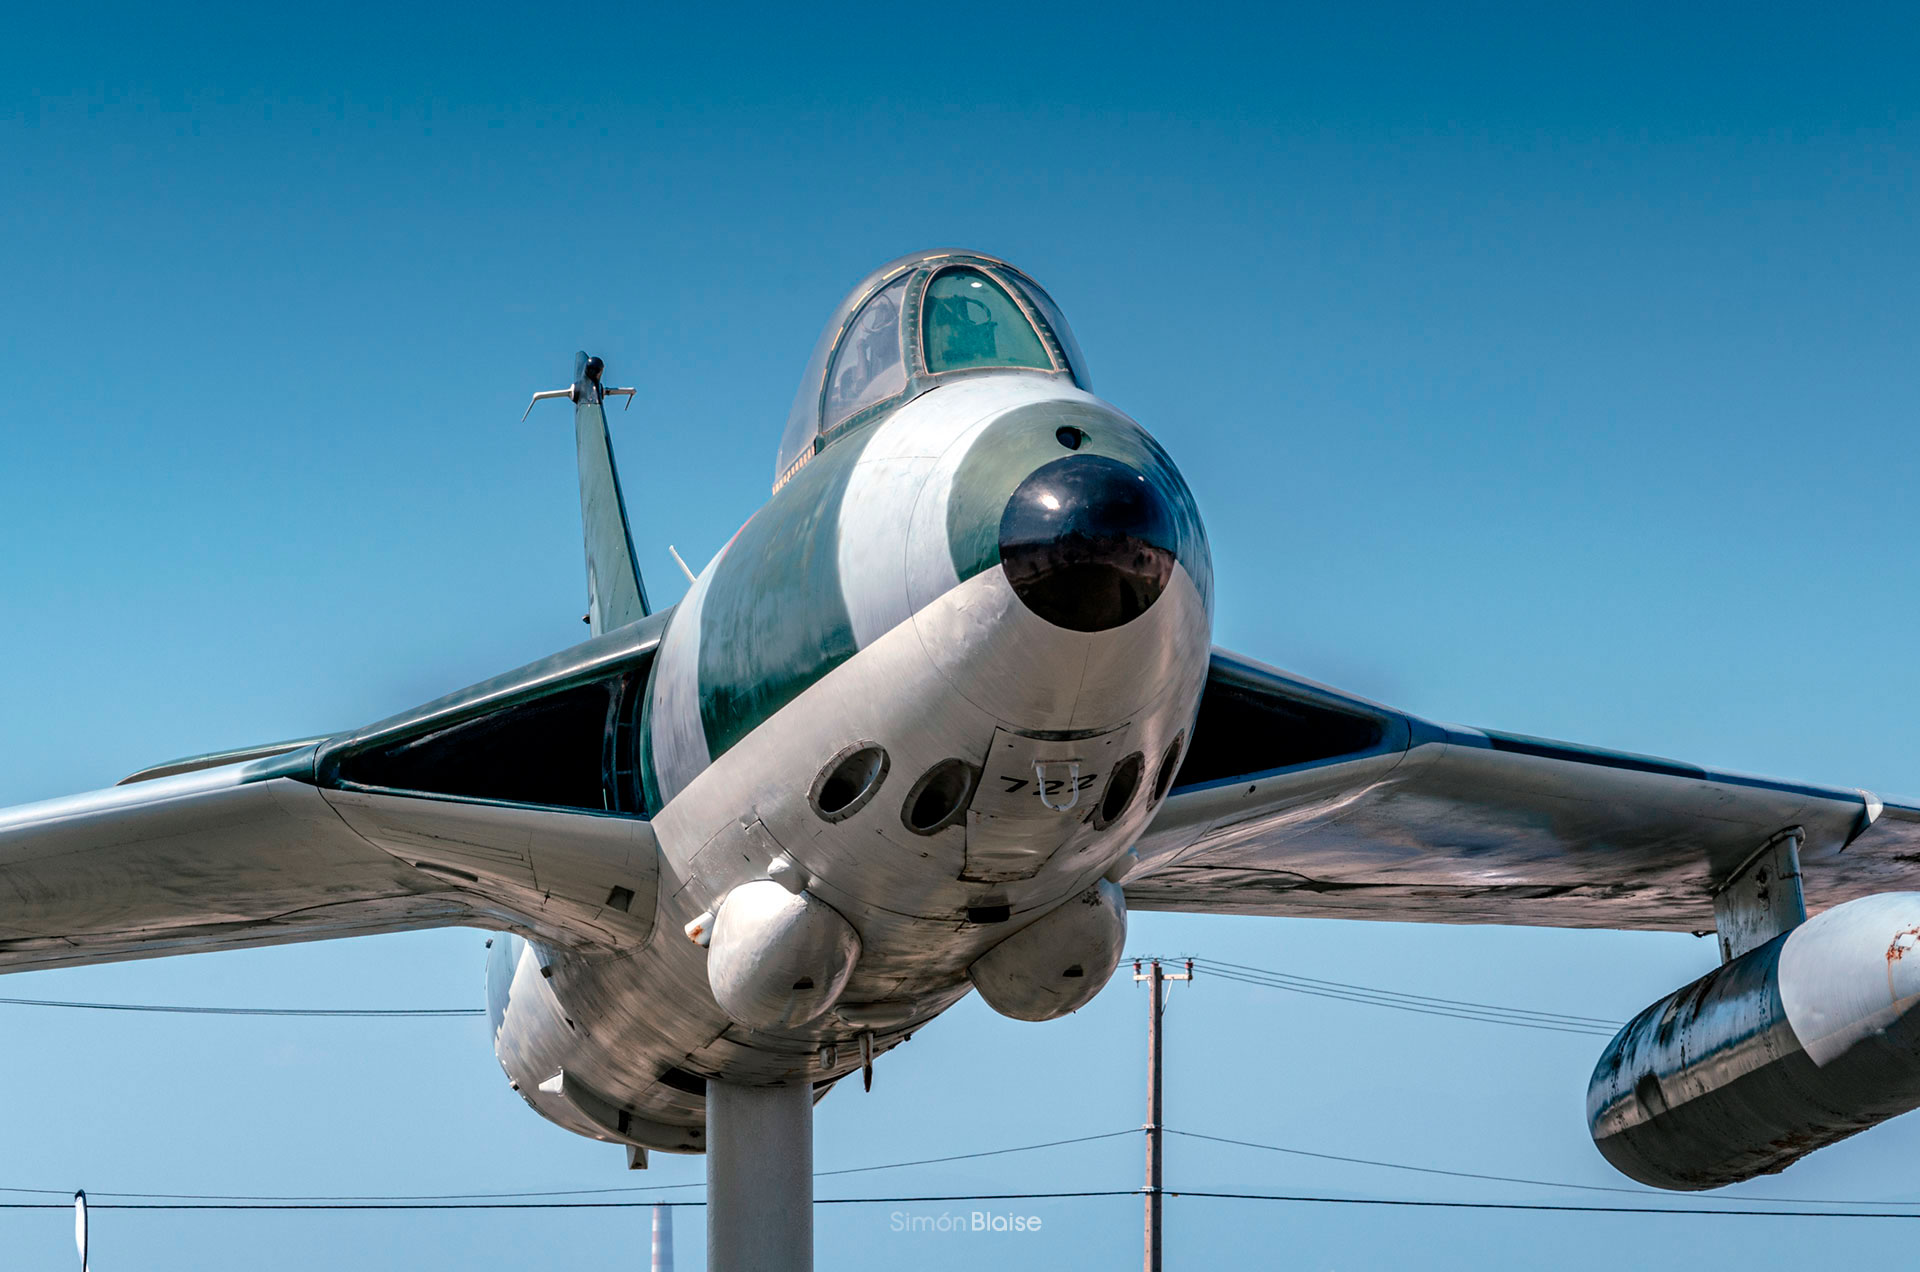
(1036, 799)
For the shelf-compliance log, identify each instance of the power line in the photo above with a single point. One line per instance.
(1403, 1006)
(1399, 999)
(536, 1200)
(548, 1205)
(1556, 1207)
(1395, 993)
(1268, 978)
(1305, 1198)
(388, 1012)
(1411, 1002)
(992, 1152)
(560, 1192)
(1515, 1179)
(1240, 973)
(1424, 1170)
(1482, 1013)
(544, 1200)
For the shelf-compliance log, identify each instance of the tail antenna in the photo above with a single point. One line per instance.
(616, 594)
(588, 386)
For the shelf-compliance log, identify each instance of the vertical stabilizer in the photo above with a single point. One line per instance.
(616, 595)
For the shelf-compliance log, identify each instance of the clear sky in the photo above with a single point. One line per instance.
(1546, 369)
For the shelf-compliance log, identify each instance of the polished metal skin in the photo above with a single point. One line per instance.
(1321, 804)
(940, 714)
(1806, 1040)
(1056, 964)
(778, 958)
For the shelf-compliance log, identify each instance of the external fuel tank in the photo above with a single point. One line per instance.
(1794, 1045)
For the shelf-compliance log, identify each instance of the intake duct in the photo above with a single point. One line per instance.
(1794, 1045)
(564, 732)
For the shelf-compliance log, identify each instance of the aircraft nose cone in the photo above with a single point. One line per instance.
(1088, 543)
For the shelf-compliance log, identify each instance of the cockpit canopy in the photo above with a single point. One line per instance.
(911, 325)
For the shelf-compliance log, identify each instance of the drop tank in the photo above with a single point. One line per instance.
(1794, 1045)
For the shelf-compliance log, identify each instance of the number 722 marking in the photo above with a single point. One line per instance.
(1054, 785)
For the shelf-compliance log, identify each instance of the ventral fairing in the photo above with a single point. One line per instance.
(940, 714)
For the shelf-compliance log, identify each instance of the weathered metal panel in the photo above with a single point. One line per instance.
(222, 859)
(1458, 825)
(1806, 1040)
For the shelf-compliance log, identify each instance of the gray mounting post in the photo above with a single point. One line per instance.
(1763, 898)
(759, 1178)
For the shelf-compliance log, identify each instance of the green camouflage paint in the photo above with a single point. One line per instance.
(1027, 438)
(773, 621)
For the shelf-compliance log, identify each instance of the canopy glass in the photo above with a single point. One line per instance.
(909, 326)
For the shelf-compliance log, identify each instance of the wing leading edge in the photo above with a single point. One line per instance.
(502, 806)
(1296, 799)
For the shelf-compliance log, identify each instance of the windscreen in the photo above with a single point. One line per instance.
(972, 322)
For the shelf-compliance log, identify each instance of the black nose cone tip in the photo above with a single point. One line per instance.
(1088, 543)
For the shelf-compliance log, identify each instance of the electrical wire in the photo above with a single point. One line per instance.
(1556, 1207)
(1514, 1179)
(1409, 1002)
(1424, 1170)
(384, 1012)
(1547, 1207)
(1420, 1004)
(1402, 1006)
(1395, 993)
(1239, 973)
(546, 1200)
(560, 1192)
(554, 1205)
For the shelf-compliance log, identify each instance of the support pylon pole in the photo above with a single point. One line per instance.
(759, 1178)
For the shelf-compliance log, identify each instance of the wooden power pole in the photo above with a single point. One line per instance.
(1155, 977)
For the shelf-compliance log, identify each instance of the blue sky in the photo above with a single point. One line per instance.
(1535, 369)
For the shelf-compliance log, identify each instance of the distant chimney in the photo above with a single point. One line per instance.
(663, 1239)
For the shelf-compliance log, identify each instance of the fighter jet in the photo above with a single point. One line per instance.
(936, 718)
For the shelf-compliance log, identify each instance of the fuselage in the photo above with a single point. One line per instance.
(933, 690)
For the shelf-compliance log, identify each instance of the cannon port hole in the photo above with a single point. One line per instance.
(848, 781)
(1169, 765)
(940, 797)
(1120, 790)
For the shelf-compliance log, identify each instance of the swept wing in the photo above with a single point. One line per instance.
(1297, 799)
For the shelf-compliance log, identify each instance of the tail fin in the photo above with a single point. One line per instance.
(616, 595)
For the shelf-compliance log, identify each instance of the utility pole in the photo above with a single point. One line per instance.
(1156, 979)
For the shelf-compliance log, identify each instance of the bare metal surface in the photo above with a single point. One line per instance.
(218, 759)
(1762, 899)
(1439, 824)
(539, 870)
(198, 862)
(778, 958)
(1056, 964)
(1800, 1042)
